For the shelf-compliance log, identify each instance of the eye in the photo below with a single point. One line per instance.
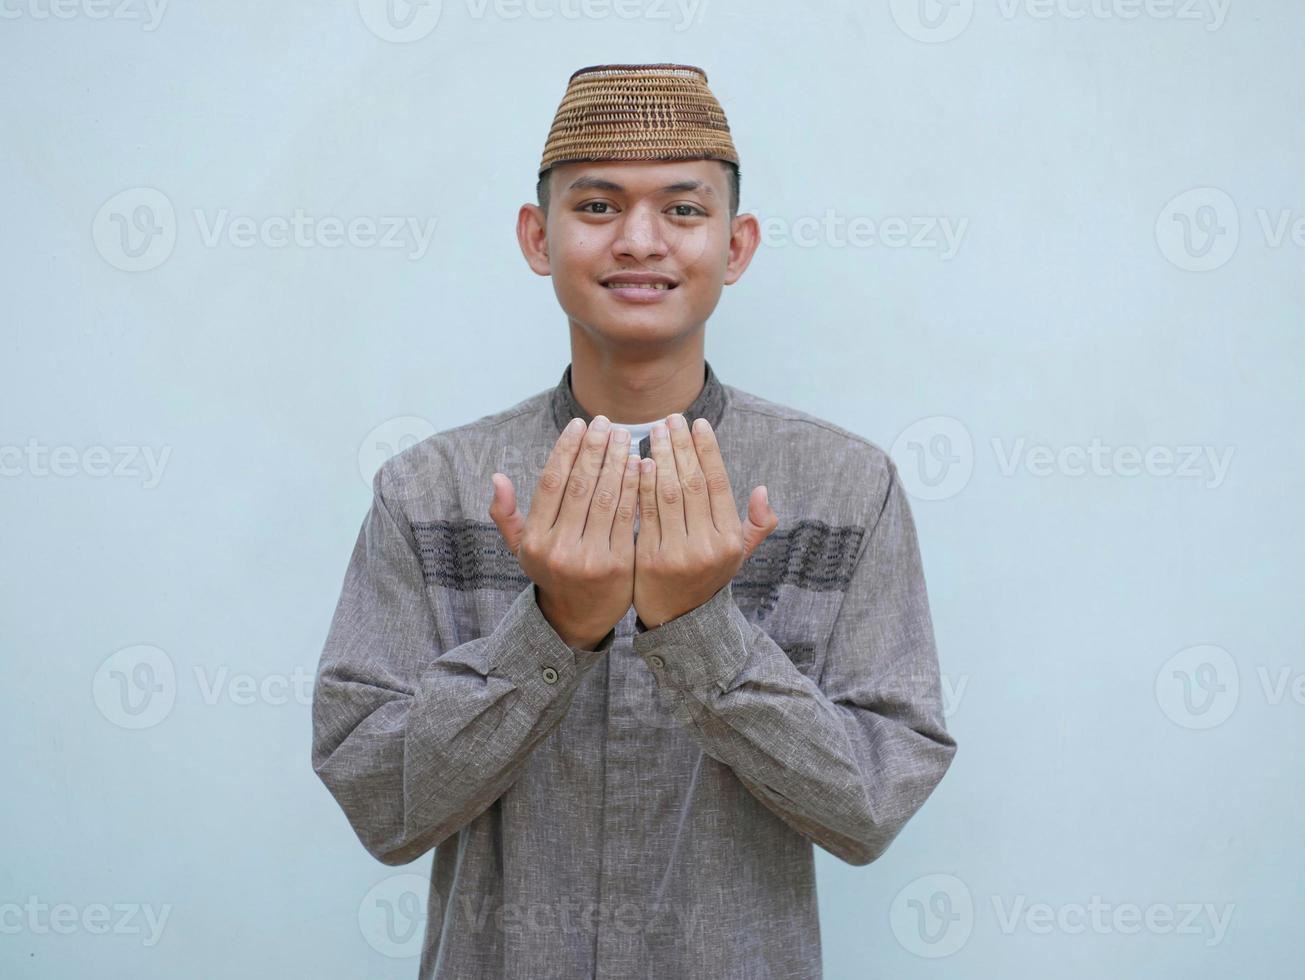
(589, 204)
(693, 209)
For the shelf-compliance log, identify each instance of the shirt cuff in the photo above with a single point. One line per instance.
(534, 657)
(704, 648)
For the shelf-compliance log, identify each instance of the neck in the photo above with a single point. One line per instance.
(635, 386)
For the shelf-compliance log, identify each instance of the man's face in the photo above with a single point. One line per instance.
(618, 223)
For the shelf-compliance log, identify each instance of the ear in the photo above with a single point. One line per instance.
(745, 236)
(532, 236)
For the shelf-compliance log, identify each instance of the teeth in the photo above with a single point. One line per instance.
(637, 285)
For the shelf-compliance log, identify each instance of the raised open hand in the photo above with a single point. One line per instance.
(577, 544)
(691, 541)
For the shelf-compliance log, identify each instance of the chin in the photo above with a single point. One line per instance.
(636, 325)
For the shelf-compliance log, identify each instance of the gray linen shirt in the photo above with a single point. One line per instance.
(646, 809)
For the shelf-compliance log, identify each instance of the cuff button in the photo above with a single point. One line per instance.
(656, 661)
(550, 675)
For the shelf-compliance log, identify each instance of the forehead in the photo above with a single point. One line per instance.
(639, 176)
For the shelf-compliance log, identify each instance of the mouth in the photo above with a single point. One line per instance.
(639, 290)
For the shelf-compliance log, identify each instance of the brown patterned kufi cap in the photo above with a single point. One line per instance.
(638, 112)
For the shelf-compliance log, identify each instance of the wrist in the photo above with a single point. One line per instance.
(583, 636)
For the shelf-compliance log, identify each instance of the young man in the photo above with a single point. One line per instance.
(620, 713)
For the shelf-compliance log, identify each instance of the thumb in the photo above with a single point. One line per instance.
(762, 519)
(503, 512)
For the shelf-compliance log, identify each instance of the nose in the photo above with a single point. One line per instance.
(641, 236)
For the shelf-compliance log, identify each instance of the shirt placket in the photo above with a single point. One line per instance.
(615, 956)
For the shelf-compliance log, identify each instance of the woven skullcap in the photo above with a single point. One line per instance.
(638, 112)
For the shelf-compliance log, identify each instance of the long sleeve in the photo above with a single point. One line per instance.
(845, 762)
(414, 741)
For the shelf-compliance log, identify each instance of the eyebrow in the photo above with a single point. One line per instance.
(599, 184)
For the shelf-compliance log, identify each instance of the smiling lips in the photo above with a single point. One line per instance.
(638, 287)
(639, 292)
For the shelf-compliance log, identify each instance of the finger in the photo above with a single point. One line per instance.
(762, 520)
(650, 525)
(547, 501)
(503, 512)
(724, 512)
(670, 495)
(582, 480)
(693, 485)
(623, 525)
(607, 491)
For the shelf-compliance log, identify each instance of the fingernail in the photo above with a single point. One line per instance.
(621, 436)
(701, 426)
(631, 463)
(677, 421)
(646, 464)
(575, 425)
(659, 431)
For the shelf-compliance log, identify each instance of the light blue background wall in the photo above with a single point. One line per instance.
(1121, 645)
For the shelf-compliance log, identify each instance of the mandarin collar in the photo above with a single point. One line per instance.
(710, 404)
